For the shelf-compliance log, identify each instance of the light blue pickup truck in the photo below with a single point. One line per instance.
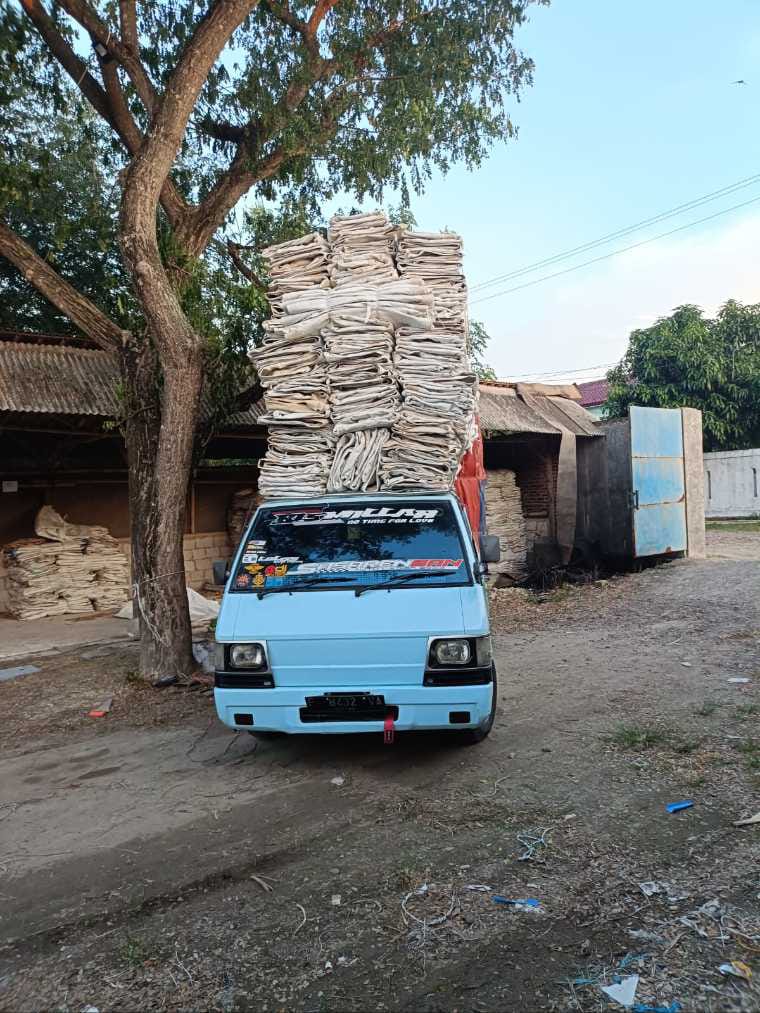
(358, 613)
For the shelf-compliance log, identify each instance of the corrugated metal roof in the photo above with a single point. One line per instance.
(57, 379)
(503, 411)
(62, 380)
(569, 414)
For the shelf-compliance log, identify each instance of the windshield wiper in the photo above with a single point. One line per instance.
(307, 582)
(401, 578)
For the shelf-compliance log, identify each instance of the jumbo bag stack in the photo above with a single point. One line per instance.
(69, 569)
(364, 394)
(367, 383)
(438, 388)
(292, 371)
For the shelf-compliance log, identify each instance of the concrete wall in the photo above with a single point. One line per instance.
(732, 483)
(691, 422)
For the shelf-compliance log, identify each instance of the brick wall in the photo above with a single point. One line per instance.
(200, 552)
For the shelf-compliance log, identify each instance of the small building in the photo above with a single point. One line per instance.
(594, 394)
(60, 445)
(536, 437)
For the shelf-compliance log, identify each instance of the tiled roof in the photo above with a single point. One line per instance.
(56, 379)
(594, 392)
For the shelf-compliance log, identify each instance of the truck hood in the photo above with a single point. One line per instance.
(338, 614)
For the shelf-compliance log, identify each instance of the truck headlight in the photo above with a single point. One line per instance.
(248, 656)
(451, 652)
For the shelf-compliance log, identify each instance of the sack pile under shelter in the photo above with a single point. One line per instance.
(364, 363)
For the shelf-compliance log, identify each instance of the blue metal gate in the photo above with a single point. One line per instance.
(659, 501)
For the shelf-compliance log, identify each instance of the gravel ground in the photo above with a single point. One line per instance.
(172, 865)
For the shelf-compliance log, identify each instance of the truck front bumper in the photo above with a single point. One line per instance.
(419, 707)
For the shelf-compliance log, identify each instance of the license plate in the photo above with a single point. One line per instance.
(345, 701)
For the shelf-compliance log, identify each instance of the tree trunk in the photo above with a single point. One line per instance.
(161, 410)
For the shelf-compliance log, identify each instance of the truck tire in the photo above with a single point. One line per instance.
(472, 736)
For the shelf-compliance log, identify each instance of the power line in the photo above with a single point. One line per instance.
(615, 253)
(664, 215)
(564, 373)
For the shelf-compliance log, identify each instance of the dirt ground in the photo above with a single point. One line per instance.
(152, 859)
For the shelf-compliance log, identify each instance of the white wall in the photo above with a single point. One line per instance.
(732, 483)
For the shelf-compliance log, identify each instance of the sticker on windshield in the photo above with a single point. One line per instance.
(242, 581)
(368, 515)
(255, 557)
(374, 566)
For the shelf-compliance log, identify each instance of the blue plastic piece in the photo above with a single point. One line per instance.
(676, 807)
(525, 902)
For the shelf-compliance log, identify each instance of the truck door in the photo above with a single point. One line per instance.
(659, 502)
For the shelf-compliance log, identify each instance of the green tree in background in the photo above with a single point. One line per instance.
(477, 342)
(688, 359)
(192, 112)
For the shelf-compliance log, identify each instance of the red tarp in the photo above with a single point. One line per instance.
(467, 485)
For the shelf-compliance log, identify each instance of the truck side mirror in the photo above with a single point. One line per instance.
(490, 549)
(220, 571)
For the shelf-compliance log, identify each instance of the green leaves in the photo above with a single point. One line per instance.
(689, 360)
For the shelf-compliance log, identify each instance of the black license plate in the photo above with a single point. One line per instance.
(345, 701)
(347, 707)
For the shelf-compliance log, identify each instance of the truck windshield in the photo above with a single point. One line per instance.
(367, 543)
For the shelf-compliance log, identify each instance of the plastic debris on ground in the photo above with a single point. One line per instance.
(6, 674)
(747, 820)
(528, 903)
(335, 900)
(622, 991)
(338, 781)
(736, 969)
(532, 841)
(101, 709)
(676, 807)
(739, 682)
(661, 887)
(203, 653)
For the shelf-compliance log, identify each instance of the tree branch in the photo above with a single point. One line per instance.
(177, 340)
(128, 20)
(108, 103)
(77, 307)
(129, 59)
(318, 14)
(233, 249)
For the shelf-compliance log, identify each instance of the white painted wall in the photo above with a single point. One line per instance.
(732, 483)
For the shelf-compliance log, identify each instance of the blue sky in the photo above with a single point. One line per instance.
(632, 112)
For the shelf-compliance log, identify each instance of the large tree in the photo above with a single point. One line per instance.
(205, 105)
(690, 359)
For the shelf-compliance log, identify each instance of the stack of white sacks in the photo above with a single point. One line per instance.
(367, 383)
(505, 519)
(70, 569)
(293, 372)
(362, 249)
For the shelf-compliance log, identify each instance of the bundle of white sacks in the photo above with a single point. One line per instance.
(367, 382)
